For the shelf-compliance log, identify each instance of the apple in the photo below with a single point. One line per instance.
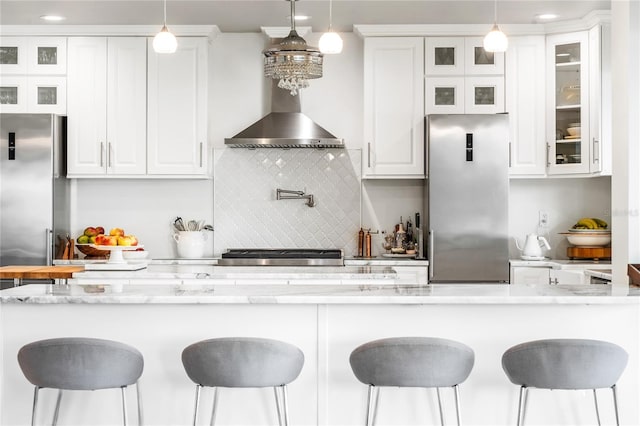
(116, 232)
(91, 231)
(83, 239)
(110, 240)
(100, 229)
(100, 240)
(92, 240)
(127, 240)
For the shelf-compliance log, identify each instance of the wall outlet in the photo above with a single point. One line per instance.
(543, 219)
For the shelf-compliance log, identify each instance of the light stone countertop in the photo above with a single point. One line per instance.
(319, 294)
(562, 263)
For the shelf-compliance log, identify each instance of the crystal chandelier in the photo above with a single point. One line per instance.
(292, 61)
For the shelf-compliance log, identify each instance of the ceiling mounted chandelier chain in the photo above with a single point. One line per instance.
(292, 61)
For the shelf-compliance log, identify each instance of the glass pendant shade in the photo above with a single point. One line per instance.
(330, 43)
(496, 40)
(292, 61)
(165, 42)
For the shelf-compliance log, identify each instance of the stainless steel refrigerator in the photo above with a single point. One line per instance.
(468, 192)
(34, 191)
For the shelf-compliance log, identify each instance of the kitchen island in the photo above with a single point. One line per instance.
(327, 321)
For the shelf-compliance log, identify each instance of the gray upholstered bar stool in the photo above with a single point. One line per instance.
(574, 364)
(243, 362)
(425, 362)
(79, 363)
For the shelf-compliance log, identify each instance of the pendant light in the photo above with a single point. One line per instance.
(496, 40)
(164, 41)
(293, 62)
(330, 42)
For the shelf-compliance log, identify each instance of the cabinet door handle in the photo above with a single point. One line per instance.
(596, 150)
(509, 154)
(548, 152)
(109, 155)
(101, 154)
(369, 155)
(201, 154)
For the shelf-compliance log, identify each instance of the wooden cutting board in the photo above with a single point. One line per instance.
(589, 252)
(39, 272)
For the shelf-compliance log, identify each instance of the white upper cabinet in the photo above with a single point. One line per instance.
(32, 75)
(177, 109)
(525, 103)
(107, 106)
(568, 119)
(393, 108)
(462, 78)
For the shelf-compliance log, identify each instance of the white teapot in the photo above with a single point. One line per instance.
(533, 245)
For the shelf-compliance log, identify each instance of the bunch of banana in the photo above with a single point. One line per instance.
(590, 223)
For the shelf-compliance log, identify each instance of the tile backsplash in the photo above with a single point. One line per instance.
(247, 214)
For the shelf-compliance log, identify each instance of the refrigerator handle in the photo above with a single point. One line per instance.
(430, 253)
(49, 240)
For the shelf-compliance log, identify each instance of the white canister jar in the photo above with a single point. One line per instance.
(190, 244)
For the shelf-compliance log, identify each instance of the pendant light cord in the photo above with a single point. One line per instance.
(330, 13)
(165, 13)
(495, 12)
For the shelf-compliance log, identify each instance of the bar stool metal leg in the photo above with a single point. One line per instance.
(615, 404)
(215, 406)
(595, 401)
(124, 405)
(35, 405)
(278, 404)
(195, 412)
(368, 420)
(522, 405)
(285, 406)
(374, 417)
(57, 411)
(440, 407)
(139, 400)
(457, 396)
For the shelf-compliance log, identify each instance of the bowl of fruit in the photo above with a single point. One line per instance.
(589, 232)
(84, 242)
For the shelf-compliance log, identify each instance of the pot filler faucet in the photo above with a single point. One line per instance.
(294, 195)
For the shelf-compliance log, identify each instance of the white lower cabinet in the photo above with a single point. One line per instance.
(177, 114)
(107, 106)
(547, 275)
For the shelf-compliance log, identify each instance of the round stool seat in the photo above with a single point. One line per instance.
(77, 363)
(81, 364)
(565, 364)
(426, 362)
(412, 362)
(569, 364)
(242, 362)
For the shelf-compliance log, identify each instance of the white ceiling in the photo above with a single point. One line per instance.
(250, 15)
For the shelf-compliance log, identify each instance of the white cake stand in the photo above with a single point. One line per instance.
(115, 257)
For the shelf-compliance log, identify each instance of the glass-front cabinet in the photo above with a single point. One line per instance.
(568, 148)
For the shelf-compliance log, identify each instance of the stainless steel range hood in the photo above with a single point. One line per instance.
(284, 127)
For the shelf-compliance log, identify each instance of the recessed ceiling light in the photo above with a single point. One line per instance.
(546, 16)
(52, 18)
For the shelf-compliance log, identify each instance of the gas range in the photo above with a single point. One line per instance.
(282, 257)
